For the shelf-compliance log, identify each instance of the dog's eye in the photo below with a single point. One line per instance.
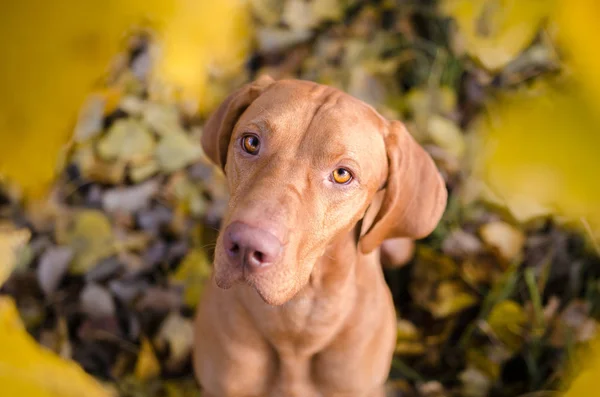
(341, 176)
(250, 144)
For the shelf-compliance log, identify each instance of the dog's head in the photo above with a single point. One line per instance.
(303, 162)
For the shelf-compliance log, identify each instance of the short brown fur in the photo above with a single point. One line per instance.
(320, 321)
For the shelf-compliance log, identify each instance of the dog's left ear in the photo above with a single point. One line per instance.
(219, 126)
(415, 194)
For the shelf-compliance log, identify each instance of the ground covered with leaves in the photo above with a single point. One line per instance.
(118, 253)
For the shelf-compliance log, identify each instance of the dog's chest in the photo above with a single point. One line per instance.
(305, 324)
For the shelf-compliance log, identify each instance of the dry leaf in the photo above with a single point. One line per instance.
(91, 238)
(91, 115)
(506, 239)
(507, 320)
(447, 135)
(26, 369)
(193, 272)
(474, 383)
(141, 172)
(162, 118)
(52, 267)
(11, 241)
(496, 31)
(408, 340)
(175, 151)
(451, 299)
(178, 333)
(147, 365)
(97, 301)
(126, 140)
(129, 199)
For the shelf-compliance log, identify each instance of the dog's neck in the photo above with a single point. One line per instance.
(337, 263)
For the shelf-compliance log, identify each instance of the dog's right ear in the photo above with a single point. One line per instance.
(219, 126)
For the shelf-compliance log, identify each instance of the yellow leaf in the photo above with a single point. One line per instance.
(26, 369)
(127, 140)
(178, 333)
(577, 22)
(192, 273)
(450, 299)
(507, 320)
(177, 150)
(147, 366)
(496, 31)
(506, 239)
(585, 383)
(538, 153)
(58, 57)
(447, 135)
(10, 242)
(408, 340)
(91, 238)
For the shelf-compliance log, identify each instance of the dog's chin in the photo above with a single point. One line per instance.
(270, 295)
(271, 299)
(226, 276)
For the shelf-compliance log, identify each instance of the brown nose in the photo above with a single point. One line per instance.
(250, 247)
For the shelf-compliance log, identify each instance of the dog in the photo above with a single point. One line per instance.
(297, 305)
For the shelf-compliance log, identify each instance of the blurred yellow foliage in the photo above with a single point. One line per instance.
(495, 31)
(584, 383)
(539, 154)
(10, 242)
(26, 369)
(578, 30)
(54, 54)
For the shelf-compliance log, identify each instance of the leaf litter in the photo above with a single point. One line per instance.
(493, 303)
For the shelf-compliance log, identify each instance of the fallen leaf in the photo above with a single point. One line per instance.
(163, 118)
(30, 370)
(91, 238)
(11, 241)
(178, 333)
(495, 32)
(507, 320)
(528, 172)
(474, 383)
(192, 273)
(585, 383)
(275, 39)
(147, 365)
(267, 11)
(126, 140)
(297, 14)
(577, 21)
(141, 172)
(97, 301)
(447, 135)
(506, 239)
(95, 169)
(459, 243)
(408, 339)
(89, 121)
(53, 265)
(129, 199)
(450, 299)
(175, 151)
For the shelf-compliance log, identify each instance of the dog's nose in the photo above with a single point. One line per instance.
(251, 247)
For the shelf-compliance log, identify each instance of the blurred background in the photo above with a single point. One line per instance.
(108, 206)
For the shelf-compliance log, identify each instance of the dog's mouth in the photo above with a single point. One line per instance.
(270, 290)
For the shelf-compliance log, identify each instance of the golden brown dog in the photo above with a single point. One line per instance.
(298, 304)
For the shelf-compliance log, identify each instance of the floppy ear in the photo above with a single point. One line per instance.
(415, 195)
(219, 126)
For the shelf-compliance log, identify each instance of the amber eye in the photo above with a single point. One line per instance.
(250, 144)
(342, 176)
